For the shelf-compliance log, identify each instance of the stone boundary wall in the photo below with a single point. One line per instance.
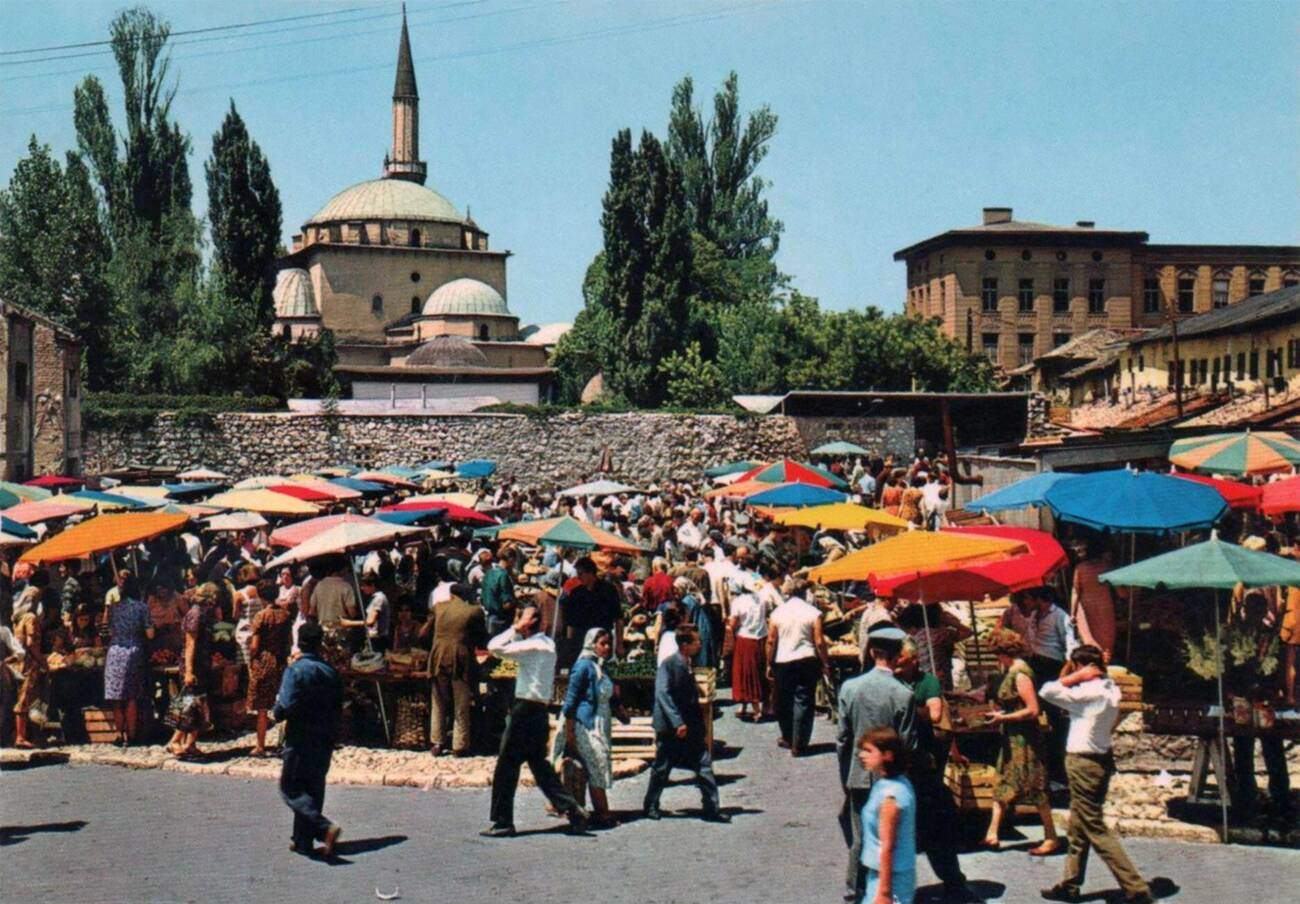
(540, 452)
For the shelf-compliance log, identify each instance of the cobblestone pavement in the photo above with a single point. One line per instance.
(89, 833)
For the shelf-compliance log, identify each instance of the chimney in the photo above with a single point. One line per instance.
(996, 215)
(1085, 224)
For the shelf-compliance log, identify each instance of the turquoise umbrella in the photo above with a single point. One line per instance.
(1135, 502)
(1211, 565)
(1021, 494)
(840, 448)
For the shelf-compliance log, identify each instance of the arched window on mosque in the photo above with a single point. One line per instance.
(415, 304)
(415, 238)
(482, 332)
(377, 304)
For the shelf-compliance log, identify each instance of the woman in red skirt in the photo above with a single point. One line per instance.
(748, 675)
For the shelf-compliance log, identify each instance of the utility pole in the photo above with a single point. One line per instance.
(970, 331)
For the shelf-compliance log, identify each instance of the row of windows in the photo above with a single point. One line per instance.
(1027, 255)
(1026, 293)
(1213, 370)
(1185, 291)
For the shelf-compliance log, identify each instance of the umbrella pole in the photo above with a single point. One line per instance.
(1221, 740)
(929, 642)
(379, 688)
(975, 639)
(1128, 643)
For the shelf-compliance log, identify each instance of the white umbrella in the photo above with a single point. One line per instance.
(202, 474)
(597, 488)
(236, 521)
(352, 536)
(728, 479)
(260, 482)
(7, 540)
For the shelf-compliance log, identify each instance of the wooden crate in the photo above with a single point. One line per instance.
(635, 741)
(972, 787)
(99, 725)
(1130, 686)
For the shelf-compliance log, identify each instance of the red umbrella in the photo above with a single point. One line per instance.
(305, 493)
(1237, 495)
(1277, 498)
(457, 514)
(55, 482)
(1032, 569)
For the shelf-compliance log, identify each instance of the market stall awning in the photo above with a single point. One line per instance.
(840, 447)
(16, 529)
(259, 482)
(795, 495)
(109, 501)
(364, 487)
(731, 467)
(789, 471)
(738, 489)
(1213, 564)
(468, 500)
(842, 516)
(476, 469)
(302, 531)
(24, 492)
(1237, 495)
(102, 533)
(913, 552)
(411, 516)
(55, 482)
(346, 538)
(456, 514)
(1280, 497)
(303, 491)
(1237, 453)
(341, 493)
(204, 474)
(337, 471)
(597, 488)
(235, 521)
(1045, 556)
(190, 489)
(36, 512)
(388, 480)
(565, 531)
(1135, 502)
(1021, 494)
(263, 502)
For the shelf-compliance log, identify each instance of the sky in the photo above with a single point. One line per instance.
(897, 120)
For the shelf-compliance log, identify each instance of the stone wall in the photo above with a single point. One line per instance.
(534, 451)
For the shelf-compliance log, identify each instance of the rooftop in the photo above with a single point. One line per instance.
(386, 199)
(998, 224)
(1280, 306)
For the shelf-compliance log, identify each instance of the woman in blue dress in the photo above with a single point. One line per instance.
(695, 612)
(888, 821)
(130, 627)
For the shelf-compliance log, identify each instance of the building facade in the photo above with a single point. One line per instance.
(40, 364)
(1014, 290)
(389, 265)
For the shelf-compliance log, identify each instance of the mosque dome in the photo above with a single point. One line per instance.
(447, 351)
(293, 295)
(386, 199)
(465, 296)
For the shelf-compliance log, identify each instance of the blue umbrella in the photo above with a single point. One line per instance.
(365, 487)
(1020, 494)
(402, 472)
(477, 469)
(1135, 502)
(410, 516)
(196, 488)
(435, 466)
(16, 529)
(796, 494)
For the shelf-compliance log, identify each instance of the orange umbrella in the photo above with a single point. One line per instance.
(738, 490)
(916, 551)
(102, 533)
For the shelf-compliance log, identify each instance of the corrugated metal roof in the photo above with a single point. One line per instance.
(1244, 315)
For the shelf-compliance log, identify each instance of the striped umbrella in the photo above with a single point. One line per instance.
(789, 471)
(1237, 453)
(566, 531)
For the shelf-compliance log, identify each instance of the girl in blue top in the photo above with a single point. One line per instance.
(888, 821)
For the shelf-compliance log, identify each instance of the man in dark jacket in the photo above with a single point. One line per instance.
(310, 701)
(680, 739)
(458, 629)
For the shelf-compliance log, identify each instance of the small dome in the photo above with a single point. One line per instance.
(386, 199)
(544, 334)
(465, 296)
(293, 294)
(447, 351)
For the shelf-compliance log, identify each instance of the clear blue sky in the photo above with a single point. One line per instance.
(897, 121)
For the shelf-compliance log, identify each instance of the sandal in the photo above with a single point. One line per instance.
(1047, 849)
(987, 844)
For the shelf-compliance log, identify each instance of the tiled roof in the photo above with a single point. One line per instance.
(1244, 315)
(1088, 344)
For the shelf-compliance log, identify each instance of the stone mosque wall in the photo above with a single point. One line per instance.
(540, 452)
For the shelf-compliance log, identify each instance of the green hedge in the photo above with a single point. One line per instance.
(122, 410)
(547, 409)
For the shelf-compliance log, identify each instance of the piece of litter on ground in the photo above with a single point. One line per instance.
(397, 893)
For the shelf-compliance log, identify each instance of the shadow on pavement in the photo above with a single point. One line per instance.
(981, 889)
(367, 845)
(16, 834)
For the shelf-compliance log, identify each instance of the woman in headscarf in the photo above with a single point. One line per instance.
(696, 613)
(587, 711)
(27, 633)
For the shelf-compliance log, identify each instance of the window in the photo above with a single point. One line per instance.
(483, 332)
(377, 304)
(20, 380)
(1256, 285)
(415, 304)
(989, 295)
(1024, 348)
(1241, 365)
(1025, 296)
(1293, 354)
(1186, 294)
(415, 238)
(1254, 365)
(1059, 339)
(415, 276)
(989, 255)
(1220, 292)
(989, 345)
(1150, 296)
(1214, 379)
(1061, 295)
(1096, 296)
(1142, 363)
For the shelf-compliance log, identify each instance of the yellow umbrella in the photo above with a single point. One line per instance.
(841, 516)
(264, 502)
(101, 533)
(915, 551)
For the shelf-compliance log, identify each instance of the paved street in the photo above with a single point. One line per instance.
(91, 833)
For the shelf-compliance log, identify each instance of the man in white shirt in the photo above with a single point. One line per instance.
(691, 533)
(796, 661)
(527, 728)
(1092, 701)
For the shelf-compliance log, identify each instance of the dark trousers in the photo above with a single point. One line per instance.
(936, 825)
(524, 741)
(1279, 781)
(691, 753)
(302, 787)
(855, 877)
(1046, 670)
(796, 691)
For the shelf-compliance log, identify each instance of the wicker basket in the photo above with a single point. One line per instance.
(411, 725)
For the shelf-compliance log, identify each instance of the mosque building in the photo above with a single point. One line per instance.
(410, 289)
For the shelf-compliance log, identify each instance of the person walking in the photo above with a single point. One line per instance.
(309, 703)
(1092, 700)
(680, 738)
(797, 658)
(458, 629)
(588, 732)
(527, 726)
(874, 699)
(749, 624)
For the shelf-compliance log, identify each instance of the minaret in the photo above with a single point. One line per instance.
(405, 162)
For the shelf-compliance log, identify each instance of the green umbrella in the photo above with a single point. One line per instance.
(840, 448)
(24, 492)
(8, 499)
(1211, 565)
(731, 467)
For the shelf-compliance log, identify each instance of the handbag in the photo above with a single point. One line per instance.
(184, 712)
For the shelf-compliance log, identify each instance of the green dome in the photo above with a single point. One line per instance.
(386, 199)
(465, 296)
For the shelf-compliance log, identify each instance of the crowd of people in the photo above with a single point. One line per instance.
(717, 586)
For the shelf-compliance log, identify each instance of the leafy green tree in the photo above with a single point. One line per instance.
(693, 381)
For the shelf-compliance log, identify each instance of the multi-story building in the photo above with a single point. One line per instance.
(1014, 290)
(40, 399)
